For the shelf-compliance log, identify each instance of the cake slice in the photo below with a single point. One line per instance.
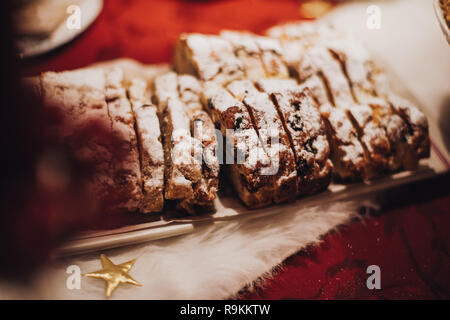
(189, 91)
(261, 56)
(184, 87)
(230, 56)
(368, 83)
(203, 130)
(355, 62)
(164, 87)
(319, 60)
(271, 132)
(272, 57)
(127, 172)
(207, 57)
(416, 132)
(86, 128)
(205, 190)
(182, 94)
(297, 37)
(306, 132)
(247, 165)
(248, 52)
(182, 168)
(150, 147)
(347, 153)
(360, 69)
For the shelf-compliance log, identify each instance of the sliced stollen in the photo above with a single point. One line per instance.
(347, 153)
(318, 60)
(182, 169)
(164, 87)
(305, 52)
(306, 132)
(189, 91)
(150, 146)
(127, 172)
(248, 52)
(205, 191)
(184, 87)
(249, 161)
(181, 93)
(416, 133)
(203, 130)
(272, 57)
(271, 132)
(86, 128)
(310, 32)
(79, 94)
(359, 69)
(261, 56)
(296, 37)
(133, 69)
(230, 56)
(368, 84)
(355, 61)
(207, 57)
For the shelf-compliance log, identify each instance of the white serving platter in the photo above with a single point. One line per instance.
(33, 46)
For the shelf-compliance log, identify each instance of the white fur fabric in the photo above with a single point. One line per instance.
(214, 262)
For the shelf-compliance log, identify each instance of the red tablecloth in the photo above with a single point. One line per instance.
(146, 30)
(410, 244)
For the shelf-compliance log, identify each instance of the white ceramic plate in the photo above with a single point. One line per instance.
(32, 46)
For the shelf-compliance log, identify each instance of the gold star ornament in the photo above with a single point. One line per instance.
(113, 274)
